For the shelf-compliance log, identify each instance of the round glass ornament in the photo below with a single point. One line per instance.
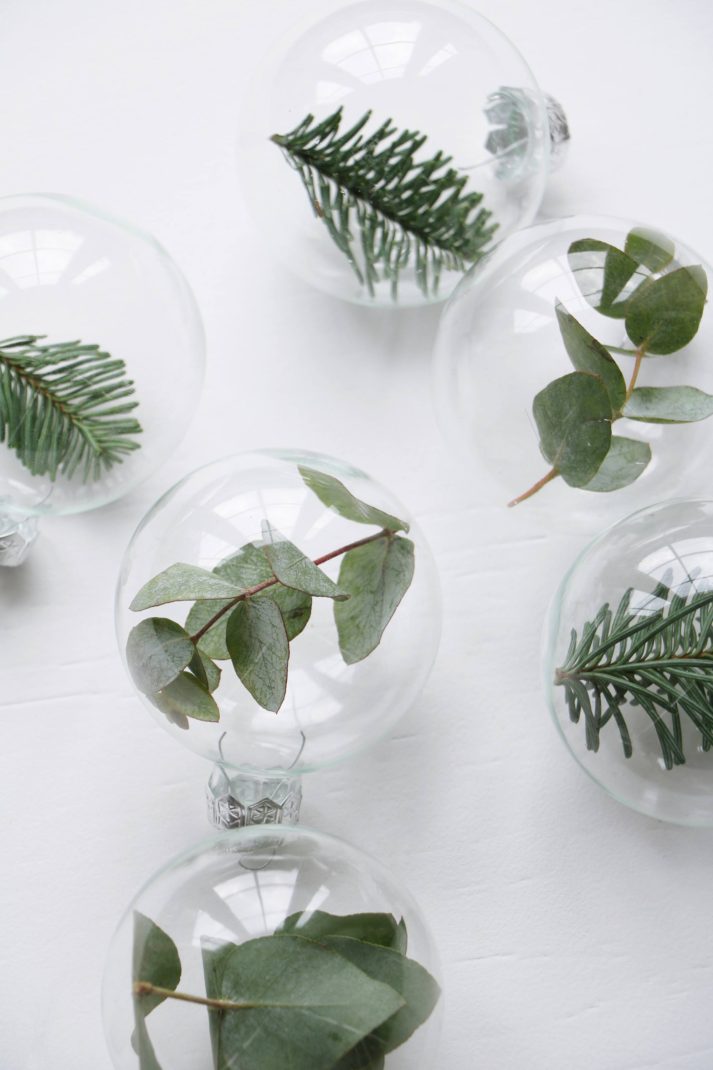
(332, 707)
(82, 423)
(243, 886)
(631, 691)
(335, 214)
(502, 342)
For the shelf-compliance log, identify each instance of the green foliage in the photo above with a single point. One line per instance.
(384, 209)
(324, 992)
(654, 662)
(156, 963)
(573, 417)
(63, 409)
(252, 605)
(662, 314)
(377, 576)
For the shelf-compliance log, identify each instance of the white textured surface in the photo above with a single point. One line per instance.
(573, 933)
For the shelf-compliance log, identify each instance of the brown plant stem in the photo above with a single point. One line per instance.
(552, 474)
(250, 591)
(145, 988)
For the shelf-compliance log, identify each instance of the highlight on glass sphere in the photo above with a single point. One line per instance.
(278, 611)
(629, 661)
(97, 319)
(266, 949)
(387, 146)
(572, 367)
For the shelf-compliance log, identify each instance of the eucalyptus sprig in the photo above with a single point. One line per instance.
(323, 992)
(661, 306)
(657, 659)
(63, 407)
(384, 209)
(250, 607)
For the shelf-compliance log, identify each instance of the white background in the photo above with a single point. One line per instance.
(574, 933)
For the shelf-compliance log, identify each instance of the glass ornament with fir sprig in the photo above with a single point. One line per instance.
(96, 321)
(629, 661)
(386, 148)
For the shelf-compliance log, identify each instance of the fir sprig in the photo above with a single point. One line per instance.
(661, 305)
(384, 209)
(658, 659)
(62, 407)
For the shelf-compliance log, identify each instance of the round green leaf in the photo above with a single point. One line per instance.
(626, 460)
(665, 314)
(573, 417)
(649, 248)
(157, 651)
(376, 577)
(186, 697)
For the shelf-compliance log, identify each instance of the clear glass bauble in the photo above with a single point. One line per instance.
(659, 553)
(68, 273)
(331, 709)
(241, 886)
(499, 344)
(439, 68)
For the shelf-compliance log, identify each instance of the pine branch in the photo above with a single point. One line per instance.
(657, 659)
(384, 210)
(62, 407)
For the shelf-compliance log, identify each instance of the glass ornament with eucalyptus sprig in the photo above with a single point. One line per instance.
(629, 661)
(277, 612)
(574, 369)
(268, 948)
(95, 320)
(385, 148)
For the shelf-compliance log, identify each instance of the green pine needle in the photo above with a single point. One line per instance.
(384, 210)
(61, 407)
(659, 660)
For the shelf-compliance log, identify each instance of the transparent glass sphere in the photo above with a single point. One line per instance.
(331, 709)
(69, 273)
(238, 887)
(499, 344)
(663, 555)
(438, 68)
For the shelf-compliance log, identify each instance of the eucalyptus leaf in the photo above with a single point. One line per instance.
(246, 569)
(259, 650)
(413, 983)
(332, 493)
(157, 651)
(626, 460)
(573, 417)
(380, 929)
(186, 697)
(665, 314)
(294, 569)
(669, 405)
(650, 248)
(182, 583)
(155, 960)
(307, 1005)
(205, 670)
(376, 576)
(589, 355)
(606, 276)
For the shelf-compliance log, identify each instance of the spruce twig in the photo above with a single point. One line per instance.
(62, 407)
(659, 660)
(384, 209)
